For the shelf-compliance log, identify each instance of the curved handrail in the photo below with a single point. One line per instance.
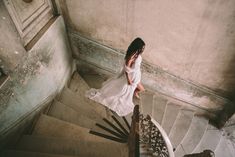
(165, 137)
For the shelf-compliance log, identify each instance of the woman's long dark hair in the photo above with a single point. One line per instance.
(136, 47)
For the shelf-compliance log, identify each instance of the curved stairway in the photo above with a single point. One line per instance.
(188, 130)
(70, 127)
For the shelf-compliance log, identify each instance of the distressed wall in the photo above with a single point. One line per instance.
(106, 60)
(35, 76)
(190, 43)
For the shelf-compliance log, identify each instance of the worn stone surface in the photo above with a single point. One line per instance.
(39, 74)
(66, 113)
(159, 105)
(170, 115)
(210, 140)
(71, 147)
(192, 138)
(11, 49)
(154, 77)
(180, 127)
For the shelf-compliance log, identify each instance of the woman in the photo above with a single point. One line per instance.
(117, 93)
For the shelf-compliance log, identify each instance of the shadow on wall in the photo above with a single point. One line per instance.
(228, 75)
(228, 49)
(224, 115)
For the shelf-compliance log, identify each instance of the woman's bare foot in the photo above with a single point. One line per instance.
(137, 95)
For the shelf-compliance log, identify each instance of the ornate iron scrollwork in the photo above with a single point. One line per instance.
(151, 136)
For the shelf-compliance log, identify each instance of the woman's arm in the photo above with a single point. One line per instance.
(128, 79)
(129, 64)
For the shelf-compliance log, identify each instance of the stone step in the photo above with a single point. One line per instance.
(80, 104)
(78, 84)
(180, 127)
(225, 148)
(193, 137)
(79, 87)
(94, 79)
(159, 105)
(146, 101)
(68, 114)
(52, 127)
(210, 139)
(71, 147)
(170, 115)
(17, 153)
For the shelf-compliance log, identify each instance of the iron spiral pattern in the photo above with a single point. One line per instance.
(151, 137)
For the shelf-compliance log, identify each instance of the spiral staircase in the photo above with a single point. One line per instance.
(76, 126)
(188, 130)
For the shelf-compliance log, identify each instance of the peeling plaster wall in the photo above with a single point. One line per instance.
(193, 40)
(35, 76)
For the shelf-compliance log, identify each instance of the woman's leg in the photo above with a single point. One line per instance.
(138, 89)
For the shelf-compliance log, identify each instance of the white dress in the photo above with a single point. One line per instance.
(115, 93)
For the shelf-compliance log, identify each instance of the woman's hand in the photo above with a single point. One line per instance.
(129, 82)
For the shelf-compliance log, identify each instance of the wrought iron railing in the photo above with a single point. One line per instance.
(146, 131)
(154, 137)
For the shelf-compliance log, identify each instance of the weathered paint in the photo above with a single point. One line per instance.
(153, 76)
(193, 40)
(40, 74)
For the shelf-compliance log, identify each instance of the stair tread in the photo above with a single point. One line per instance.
(159, 105)
(71, 146)
(192, 138)
(210, 139)
(66, 113)
(94, 79)
(78, 84)
(18, 153)
(170, 115)
(52, 127)
(180, 127)
(146, 100)
(80, 103)
(225, 148)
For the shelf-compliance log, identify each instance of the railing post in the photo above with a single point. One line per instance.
(133, 141)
